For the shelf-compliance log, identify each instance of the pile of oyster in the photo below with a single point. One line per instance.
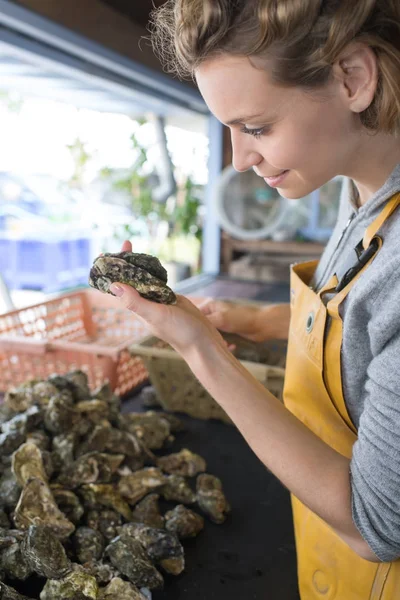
(81, 488)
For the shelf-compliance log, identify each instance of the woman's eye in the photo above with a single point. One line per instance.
(255, 132)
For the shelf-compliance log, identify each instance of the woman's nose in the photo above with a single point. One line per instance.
(243, 156)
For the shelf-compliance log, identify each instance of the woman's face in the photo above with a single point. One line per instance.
(295, 139)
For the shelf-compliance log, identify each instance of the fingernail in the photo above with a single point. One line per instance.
(116, 289)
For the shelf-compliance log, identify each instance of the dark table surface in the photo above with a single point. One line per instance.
(252, 555)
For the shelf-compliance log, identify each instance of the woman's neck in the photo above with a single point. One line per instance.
(375, 159)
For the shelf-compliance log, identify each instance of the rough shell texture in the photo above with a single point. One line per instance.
(139, 274)
(105, 521)
(88, 544)
(161, 546)
(147, 511)
(183, 522)
(150, 428)
(211, 498)
(96, 495)
(94, 467)
(77, 585)
(177, 489)
(37, 506)
(185, 463)
(121, 590)
(45, 553)
(27, 463)
(136, 486)
(69, 504)
(129, 557)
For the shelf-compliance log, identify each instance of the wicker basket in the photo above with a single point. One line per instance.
(178, 389)
(81, 330)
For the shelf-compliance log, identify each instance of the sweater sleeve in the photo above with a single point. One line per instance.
(375, 464)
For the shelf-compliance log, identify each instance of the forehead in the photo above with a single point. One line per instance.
(232, 87)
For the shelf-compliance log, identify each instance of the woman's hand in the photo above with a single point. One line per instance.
(255, 323)
(181, 325)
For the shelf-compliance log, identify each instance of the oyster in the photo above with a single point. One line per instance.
(129, 557)
(211, 498)
(42, 392)
(37, 506)
(105, 521)
(45, 554)
(77, 585)
(60, 416)
(90, 468)
(68, 503)
(136, 486)
(141, 271)
(64, 448)
(88, 544)
(150, 428)
(24, 422)
(183, 522)
(40, 438)
(94, 411)
(123, 590)
(97, 439)
(96, 495)
(185, 463)
(13, 561)
(177, 489)
(162, 547)
(10, 489)
(102, 572)
(8, 593)
(105, 393)
(8, 537)
(80, 382)
(147, 511)
(66, 386)
(9, 442)
(27, 463)
(21, 398)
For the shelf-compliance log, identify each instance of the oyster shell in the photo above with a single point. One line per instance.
(4, 520)
(185, 463)
(80, 382)
(68, 503)
(10, 489)
(77, 585)
(94, 411)
(128, 556)
(14, 564)
(101, 571)
(123, 590)
(183, 522)
(40, 438)
(162, 547)
(90, 468)
(105, 521)
(88, 544)
(150, 428)
(97, 439)
(8, 593)
(211, 498)
(27, 463)
(24, 422)
(9, 442)
(147, 511)
(177, 489)
(96, 495)
(45, 554)
(42, 392)
(60, 416)
(141, 271)
(136, 486)
(20, 398)
(64, 448)
(37, 506)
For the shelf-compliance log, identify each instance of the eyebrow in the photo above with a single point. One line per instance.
(244, 119)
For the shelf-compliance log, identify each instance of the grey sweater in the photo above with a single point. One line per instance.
(370, 361)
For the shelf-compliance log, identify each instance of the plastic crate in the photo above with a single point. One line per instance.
(177, 388)
(80, 330)
(46, 263)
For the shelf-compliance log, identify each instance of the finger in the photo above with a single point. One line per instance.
(132, 300)
(126, 246)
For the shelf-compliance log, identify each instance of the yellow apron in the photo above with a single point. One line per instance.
(327, 567)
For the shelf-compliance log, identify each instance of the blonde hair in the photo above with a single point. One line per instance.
(301, 38)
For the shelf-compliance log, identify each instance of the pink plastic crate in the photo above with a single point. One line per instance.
(80, 330)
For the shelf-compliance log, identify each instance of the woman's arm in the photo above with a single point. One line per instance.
(315, 473)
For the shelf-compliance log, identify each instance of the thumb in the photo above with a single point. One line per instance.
(132, 300)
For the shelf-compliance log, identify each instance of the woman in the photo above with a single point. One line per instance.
(310, 90)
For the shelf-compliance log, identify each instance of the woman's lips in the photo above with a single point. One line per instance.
(277, 179)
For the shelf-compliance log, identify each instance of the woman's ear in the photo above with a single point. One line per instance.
(357, 71)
